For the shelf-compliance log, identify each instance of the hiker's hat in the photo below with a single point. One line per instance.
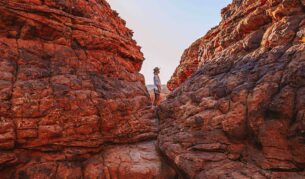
(156, 69)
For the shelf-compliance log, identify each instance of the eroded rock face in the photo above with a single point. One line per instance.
(69, 86)
(241, 32)
(129, 161)
(240, 112)
(115, 161)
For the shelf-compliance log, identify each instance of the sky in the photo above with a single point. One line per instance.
(165, 28)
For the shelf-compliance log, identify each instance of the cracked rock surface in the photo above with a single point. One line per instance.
(72, 99)
(238, 105)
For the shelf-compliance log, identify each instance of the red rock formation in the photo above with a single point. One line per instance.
(218, 42)
(241, 113)
(188, 64)
(70, 91)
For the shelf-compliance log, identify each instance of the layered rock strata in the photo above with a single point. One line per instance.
(238, 105)
(72, 99)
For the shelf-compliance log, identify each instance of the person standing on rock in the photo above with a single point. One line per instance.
(157, 86)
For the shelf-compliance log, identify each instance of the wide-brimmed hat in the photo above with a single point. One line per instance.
(156, 69)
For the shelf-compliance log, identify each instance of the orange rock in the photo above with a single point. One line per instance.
(253, 70)
(70, 86)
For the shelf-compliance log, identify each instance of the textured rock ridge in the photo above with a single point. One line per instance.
(238, 107)
(239, 32)
(71, 94)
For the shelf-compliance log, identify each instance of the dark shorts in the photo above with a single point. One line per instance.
(157, 92)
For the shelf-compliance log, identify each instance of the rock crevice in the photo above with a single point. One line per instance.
(74, 105)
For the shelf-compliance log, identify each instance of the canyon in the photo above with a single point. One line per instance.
(74, 105)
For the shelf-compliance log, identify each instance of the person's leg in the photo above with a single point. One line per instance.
(157, 99)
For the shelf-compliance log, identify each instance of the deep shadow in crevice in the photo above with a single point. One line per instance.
(180, 174)
(271, 114)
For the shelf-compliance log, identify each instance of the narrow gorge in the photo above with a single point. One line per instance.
(74, 105)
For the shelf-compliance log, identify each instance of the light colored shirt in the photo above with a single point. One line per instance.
(157, 82)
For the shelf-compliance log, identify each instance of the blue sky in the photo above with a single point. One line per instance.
(165, 28)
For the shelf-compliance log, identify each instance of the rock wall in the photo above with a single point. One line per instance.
(238, 108)
(72, 99)
(219, 41)
(188, 65)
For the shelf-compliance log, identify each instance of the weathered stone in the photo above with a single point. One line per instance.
(128, 161)
(247, 75)
(70, 86)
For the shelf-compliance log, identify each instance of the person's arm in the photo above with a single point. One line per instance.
(159, 84)
(155, 81)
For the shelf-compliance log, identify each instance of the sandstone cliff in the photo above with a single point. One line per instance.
(238, 108)
(71, 96)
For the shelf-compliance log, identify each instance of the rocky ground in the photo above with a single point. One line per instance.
(74, 105)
